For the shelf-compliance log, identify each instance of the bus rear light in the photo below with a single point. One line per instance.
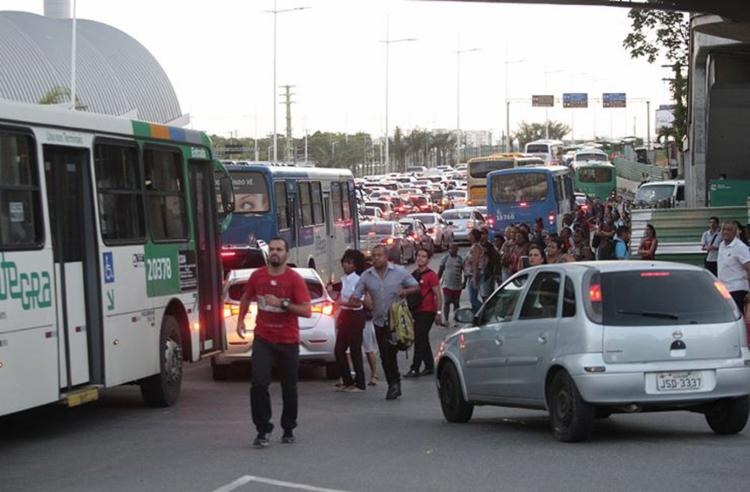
(196, 326)
(523, 204)
(551, 217)
(325, 307)
(490, 221)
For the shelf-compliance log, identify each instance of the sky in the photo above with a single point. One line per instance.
(219, 56)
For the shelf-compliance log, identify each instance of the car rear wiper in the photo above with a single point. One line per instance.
(650, 314)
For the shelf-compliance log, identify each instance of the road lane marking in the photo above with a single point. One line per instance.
(246, 479)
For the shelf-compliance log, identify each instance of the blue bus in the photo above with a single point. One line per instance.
(314, 209)
(523, 194)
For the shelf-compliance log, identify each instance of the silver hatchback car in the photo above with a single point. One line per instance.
(585, 340)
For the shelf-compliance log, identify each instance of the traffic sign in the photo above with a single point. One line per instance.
(542, 101)
(575, 100)
(614, 100)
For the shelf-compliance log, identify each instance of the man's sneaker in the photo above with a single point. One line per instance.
(413, 373)
(394, 391)
(288, 437)
(261, 441)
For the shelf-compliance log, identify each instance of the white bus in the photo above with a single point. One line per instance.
(109, 270)
(549, 150)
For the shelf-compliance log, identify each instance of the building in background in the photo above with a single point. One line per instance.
(116, 75)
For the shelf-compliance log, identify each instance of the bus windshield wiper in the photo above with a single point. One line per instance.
(650, 314)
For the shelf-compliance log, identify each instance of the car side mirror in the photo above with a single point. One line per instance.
(464, 316)
(227, 194)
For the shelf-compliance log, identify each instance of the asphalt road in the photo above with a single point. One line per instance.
(352, 442)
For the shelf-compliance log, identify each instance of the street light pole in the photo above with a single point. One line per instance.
(388, 41)
(275, 12)
(506, 62)
(459, 52)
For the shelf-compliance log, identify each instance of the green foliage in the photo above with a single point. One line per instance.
(659, 33)
(528, 132)
(60, 95)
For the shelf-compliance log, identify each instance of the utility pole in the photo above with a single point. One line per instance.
(287, 95)
(648, 124)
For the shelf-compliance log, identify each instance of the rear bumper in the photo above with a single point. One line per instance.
(315, 351)
(635, 383)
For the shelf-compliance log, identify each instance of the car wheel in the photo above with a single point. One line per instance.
(572, 418)
(332, 370)
(455, 408)
(728, 416)
(162, 390)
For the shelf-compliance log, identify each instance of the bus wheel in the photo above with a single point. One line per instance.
(163, 389)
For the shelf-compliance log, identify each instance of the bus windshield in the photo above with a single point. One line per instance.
(482, 168)
(250, 193)
(537, 149)
(519, 187)
(595, 175)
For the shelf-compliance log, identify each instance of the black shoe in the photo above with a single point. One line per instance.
(412, 374)
(261, 441)
(428, 372)
(394, 391)
(288, 437)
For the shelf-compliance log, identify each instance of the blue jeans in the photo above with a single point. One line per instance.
(476, 303)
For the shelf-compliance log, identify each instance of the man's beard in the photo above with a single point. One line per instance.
(274, 261)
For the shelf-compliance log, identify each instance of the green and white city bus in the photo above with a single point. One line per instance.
(109, 264)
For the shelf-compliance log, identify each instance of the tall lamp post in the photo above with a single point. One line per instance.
(388, 42)
(459, 52)
(275, 12)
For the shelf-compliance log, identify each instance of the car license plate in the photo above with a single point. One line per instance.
(679, 381)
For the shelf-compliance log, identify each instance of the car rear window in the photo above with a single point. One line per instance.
(668, 297)
(314, 287)
(462, 215)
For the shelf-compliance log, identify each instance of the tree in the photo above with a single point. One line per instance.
(60, 95)
(528, 132)
(659, 33)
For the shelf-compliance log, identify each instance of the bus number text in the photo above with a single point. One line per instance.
(158, 269)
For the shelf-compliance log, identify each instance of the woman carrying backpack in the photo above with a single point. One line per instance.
(425, 314)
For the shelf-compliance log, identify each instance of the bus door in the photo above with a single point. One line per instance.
(330, 234)
(295, 219)
(200, 268)
(71, 205)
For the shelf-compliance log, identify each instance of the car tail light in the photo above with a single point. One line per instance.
(523, 204)
(325, 307)
(231, 310)
(388, 241)
(431, 230)
(551, 217)
(228, 254)
(425, 207)
(595, 293)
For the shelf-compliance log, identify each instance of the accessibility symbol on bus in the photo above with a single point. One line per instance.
(109, 268)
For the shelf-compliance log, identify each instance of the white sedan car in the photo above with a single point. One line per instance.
(317, 333)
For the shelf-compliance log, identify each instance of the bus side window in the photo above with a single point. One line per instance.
(305, 204)
(20, 199)
(317, 202)
(165, 194)
(558, 189)
(336, 201)
(118, 182)
(282, 214)
(346, 204)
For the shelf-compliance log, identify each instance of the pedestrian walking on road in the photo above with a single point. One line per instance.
(734, 264)
(427, 313)
(282, 298)
(450, 273)
(710, 242)
(386, 283)
(473, 269)
(350, 323)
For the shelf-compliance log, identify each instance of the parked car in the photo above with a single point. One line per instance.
(385, 207)
(660, 194)
(462, 221)
(416, 231)
(585, 340)
(399, 247)
(317, 333)
(437, 228)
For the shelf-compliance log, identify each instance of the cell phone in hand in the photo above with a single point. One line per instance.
(525, 261)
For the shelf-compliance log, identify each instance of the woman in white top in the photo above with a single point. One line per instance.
(350, 324)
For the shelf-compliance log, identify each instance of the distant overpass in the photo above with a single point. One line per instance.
(737, 10)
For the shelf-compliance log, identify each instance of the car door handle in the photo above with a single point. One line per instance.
(542, 339)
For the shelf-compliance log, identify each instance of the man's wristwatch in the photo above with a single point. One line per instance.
(285, 304)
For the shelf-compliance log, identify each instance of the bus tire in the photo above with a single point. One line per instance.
(163, 389)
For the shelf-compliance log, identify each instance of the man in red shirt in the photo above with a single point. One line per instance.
(282, 298)
(424, 315)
